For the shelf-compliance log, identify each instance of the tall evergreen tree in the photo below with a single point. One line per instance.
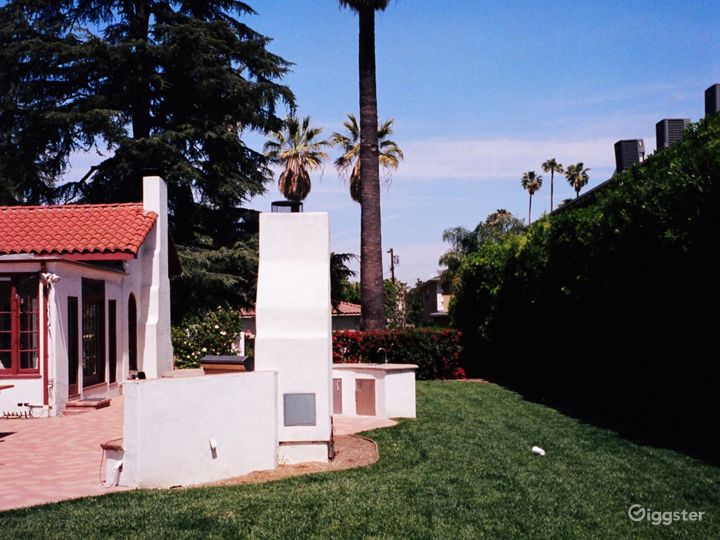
(148, 84)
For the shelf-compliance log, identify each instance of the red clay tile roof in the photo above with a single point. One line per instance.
(343, 309)
(82, 229)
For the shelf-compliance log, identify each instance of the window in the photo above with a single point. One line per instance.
(19, 325)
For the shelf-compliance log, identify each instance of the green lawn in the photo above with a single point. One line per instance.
(462, 470)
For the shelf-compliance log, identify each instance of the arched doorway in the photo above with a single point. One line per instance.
(132, 333)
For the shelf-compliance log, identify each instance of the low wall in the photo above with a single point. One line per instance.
(394, 388)
(169, 425)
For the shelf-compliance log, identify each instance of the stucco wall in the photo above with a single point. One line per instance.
(168, 425)
(294, 334)
(394, 389)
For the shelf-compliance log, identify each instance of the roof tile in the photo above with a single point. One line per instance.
(74, 229)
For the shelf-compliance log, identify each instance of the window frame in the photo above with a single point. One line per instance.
(16, 314)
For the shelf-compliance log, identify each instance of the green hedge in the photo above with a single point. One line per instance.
(610, 306)
(437, 352)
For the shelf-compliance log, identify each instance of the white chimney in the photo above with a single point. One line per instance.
(158, 351)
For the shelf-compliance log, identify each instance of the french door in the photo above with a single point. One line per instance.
(19, 325)
(93, 331)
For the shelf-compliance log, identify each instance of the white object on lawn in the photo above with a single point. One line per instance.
(538, 451)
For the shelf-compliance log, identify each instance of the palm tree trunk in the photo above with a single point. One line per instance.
(530, 210)
(552, 178)
(371, 272)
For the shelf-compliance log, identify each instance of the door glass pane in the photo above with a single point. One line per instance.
(4, 294)
(5, 360)
(28, 360)
(4, 321)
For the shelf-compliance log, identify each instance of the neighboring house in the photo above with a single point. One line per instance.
(345, 317)
(84, 300)
(435, 302)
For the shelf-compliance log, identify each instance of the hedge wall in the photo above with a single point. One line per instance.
(612, 307)
(436, 352)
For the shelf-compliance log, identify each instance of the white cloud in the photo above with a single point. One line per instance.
(492, 159)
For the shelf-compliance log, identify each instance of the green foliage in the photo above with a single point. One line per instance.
(496, 228)
(437, 352)
(212, 332)
(299, 150)
(339, 276)
(167, 86)
(462, 469)
(348, 164)
(610, 304)
(396, 293)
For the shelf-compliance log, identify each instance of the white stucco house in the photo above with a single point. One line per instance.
(84, 300)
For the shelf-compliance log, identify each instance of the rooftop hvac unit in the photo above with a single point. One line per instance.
(712, 100)
(628, 153)
(669, 131)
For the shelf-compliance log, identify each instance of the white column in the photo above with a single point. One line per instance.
(157, 354)
(294, 335)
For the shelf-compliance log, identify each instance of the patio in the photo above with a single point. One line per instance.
(53, 459)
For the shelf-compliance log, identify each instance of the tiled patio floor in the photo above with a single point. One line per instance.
(52, 459)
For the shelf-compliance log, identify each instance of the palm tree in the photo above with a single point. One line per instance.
(296, 147)
(552, 166)
(577, 177)
(531, 182)
(495, 229)
(371, 269)
(389, 153)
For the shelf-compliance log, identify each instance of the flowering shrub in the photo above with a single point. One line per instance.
(213, 332)
(436, 352)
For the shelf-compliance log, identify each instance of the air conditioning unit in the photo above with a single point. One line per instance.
(712, 100)
(628, 153)
(669, 131)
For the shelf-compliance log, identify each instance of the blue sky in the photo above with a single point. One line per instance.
(481, 92)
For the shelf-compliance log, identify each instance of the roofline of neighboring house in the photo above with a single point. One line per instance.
(588, 196)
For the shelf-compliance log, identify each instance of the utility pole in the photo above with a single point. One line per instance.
(393, 261)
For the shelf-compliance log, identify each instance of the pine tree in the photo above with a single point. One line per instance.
(147, 84)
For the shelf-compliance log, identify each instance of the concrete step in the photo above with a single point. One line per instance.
(87, 404)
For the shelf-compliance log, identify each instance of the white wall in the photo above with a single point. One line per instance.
(294, 334)
(394, 388)
(155, 298)
(169, 422)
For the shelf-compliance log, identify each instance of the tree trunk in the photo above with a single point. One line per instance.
(552, 178)
(371, 273)
(530, 210)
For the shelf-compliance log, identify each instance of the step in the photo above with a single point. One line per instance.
(87, 404)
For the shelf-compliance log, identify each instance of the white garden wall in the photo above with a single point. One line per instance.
(169, 423)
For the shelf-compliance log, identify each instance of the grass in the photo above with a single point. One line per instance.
(463, 469)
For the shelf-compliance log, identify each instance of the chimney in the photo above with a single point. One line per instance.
(712, 100)
(669, 131)
(627, 153)
(157, 352)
